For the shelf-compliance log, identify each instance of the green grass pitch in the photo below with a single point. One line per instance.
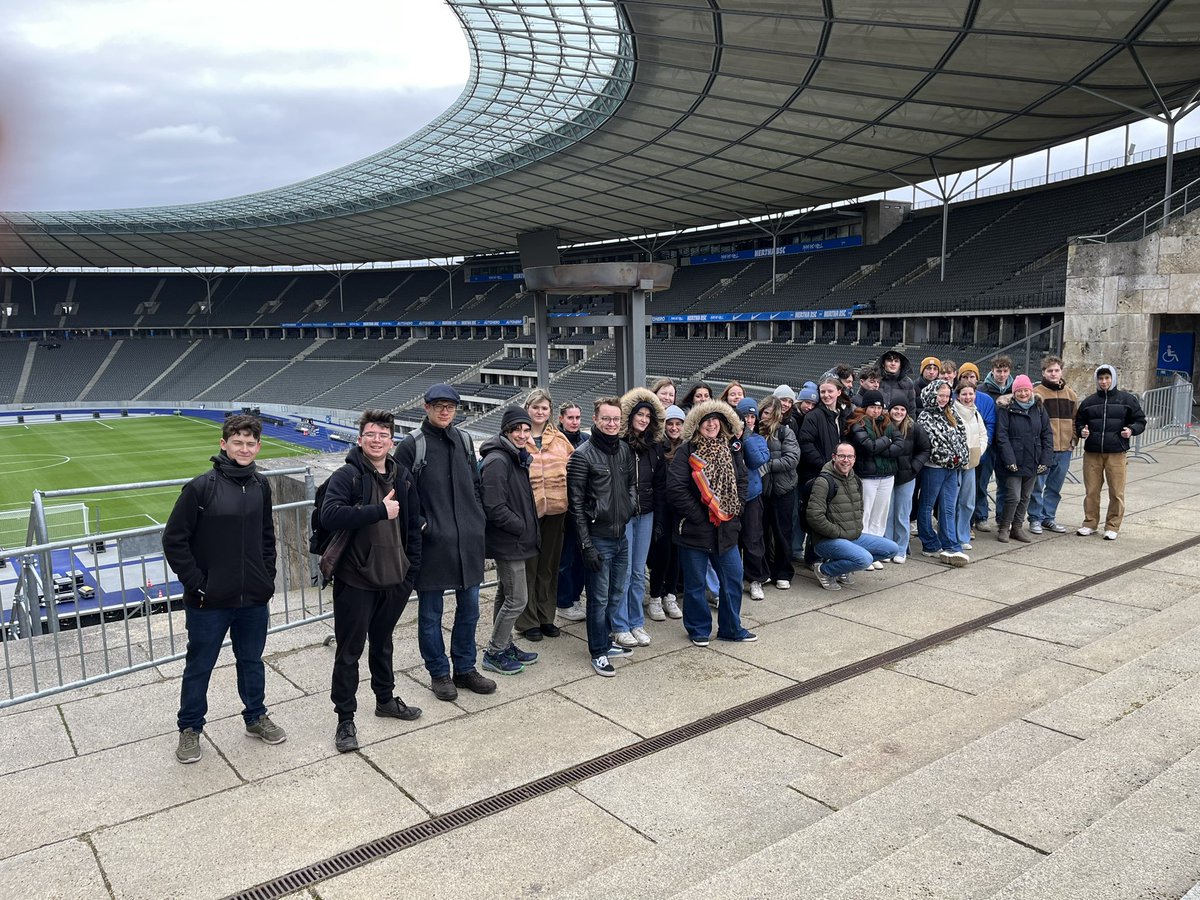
(58, 455)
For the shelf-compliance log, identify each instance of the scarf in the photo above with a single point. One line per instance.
(1024, 405)
(712, 472)
(609, 443)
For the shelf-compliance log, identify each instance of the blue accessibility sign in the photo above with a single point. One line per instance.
(1175, 352)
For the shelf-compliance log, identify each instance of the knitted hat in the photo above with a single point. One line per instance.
(514, 416)
(747, 407)
(1022, 381)
(674, 412)
(931, 361)
(898, 401)
(870, 398)
(783, 392)
(968, 367)
(809, 393)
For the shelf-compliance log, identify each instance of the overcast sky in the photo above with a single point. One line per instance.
(122, 103)
(119, 103)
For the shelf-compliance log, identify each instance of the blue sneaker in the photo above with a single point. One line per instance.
(524, 657)
(502, 663)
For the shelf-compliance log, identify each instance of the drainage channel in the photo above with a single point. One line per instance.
(473, 812)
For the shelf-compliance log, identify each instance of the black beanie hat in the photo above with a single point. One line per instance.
(514, 416)
(869, 397)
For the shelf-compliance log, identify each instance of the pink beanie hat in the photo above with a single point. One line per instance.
(1022, 381)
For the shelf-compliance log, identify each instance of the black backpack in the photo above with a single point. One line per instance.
(319, 536)
(806, 495)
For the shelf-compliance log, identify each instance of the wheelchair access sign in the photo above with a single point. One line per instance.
(1175, 352)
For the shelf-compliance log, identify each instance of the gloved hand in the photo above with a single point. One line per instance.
(591, 556)
(1041, 470)
(657, 535)
(1012, 467)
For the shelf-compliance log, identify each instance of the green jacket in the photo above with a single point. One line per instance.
(843, 516)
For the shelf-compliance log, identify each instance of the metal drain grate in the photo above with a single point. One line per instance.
(490, 806)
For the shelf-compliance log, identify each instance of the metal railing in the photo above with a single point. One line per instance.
(1030, 348)
(1179, 203)
(1168, 419)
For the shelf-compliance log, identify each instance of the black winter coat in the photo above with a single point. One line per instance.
(695, 529)
(601, 497)
(1023, 437)
(1105, 413)
(869, 449)
(224, 554)
(452, 506)
(914, 452)
(512, 530)
(819, 436)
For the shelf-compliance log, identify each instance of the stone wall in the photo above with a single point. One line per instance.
(1119, 296)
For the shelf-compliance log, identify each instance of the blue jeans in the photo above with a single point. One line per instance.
(900, 515)
(462, 634)
(840, 556)
(630, 614)
(1047, 493)
(938, 486)
(206, 630)
(697, 617)
(983, 476)
(605, 591)
(966, 505)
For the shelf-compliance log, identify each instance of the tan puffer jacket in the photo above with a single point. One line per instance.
(548, 472)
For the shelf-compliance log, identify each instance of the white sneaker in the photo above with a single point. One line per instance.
(899, 560)
(625, 639)
(576, 612)
(1110, 535)
(756, 591)
(671, 607)
(967, 547)
(783, 584)
(877, 565)
(958, 559)
(640, 635)
(654, 609)
(1085, 531)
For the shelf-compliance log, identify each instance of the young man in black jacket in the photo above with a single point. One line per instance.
(1106, 421)
(374, 499)
(601, 499)
(220, 541)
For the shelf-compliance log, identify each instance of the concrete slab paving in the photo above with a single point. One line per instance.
(278, 644)
(103, 789)
(1147, 587)
(270, 827)
(33, 738)
(956, 861)
(874, 766)
(653, 696)
(310, 723)
(912, 610)
(1148, 846)
(1001, 580)
(850, 715)
(1185, 562)
(807, 645)
(1074, 621)
(310, 667)
(109, 720)
(979, 660)
(707, 786)
(1173, 520)
(1046, 808)
(804, 596)
(1089, 555)
(1130, 642)
(67, 869)
(26, 681)
(494, 750)
(530, 851)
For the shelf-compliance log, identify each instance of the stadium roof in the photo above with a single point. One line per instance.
(610, 120)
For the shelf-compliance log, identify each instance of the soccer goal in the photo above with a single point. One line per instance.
(63, 522)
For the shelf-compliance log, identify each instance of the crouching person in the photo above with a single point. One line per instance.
(220, 541)
(835, 522)
(374, 500)
(512, 534)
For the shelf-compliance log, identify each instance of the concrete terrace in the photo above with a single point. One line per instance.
(1052, 754)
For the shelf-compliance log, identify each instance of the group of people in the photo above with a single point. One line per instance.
(671, 507)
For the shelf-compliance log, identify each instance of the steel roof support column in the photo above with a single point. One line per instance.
(631, 339)
(541, 337)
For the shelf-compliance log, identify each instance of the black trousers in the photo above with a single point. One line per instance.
(360, 616)
(750, 539)
(665, 574)
(777, 523)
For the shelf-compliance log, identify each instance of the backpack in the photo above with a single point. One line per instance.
(319, 536)
(210, 487)
(806, 495)
(418, 462)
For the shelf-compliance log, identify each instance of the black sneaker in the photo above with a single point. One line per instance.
(443, 688)
(346, 737)
(551, 630)
(397, 709)
(533, 634)
(473, 681)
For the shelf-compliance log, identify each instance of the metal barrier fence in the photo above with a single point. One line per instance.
(1168, 419)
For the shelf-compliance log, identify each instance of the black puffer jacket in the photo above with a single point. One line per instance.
(820, 433)
(1023, 437)
(695, 529)
(914, 452)
(899, 386)
(1105, 413)
(875, 455)
(223, 553)
(649, 474)
(600, 490)
(512, 530)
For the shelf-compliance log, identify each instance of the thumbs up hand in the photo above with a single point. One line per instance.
(390, 504)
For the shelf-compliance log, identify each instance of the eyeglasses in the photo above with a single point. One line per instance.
(609, 420)
(443, 406)
(843, 456)
(376, 436)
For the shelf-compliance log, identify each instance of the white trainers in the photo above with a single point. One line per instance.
(1085, 531)
(957, 559)
(783, 584)
(1110, 535)
(899, 560)
(576, 612)
(654, 609)
(625, 639)
(877, 565)
(640, 635)
(756, 591)
(671, 607)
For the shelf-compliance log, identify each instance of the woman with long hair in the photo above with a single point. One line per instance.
(977, 444)
(733, 394)
(666, 580)
(874, 445)
(664, 390)
(779, 489)
(914, 451)
(700, 392)
(549, 451)
(939, 478)
(751, 540)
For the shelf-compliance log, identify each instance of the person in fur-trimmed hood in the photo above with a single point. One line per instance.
(706, 485)
(643, 419)
(1024, 450)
